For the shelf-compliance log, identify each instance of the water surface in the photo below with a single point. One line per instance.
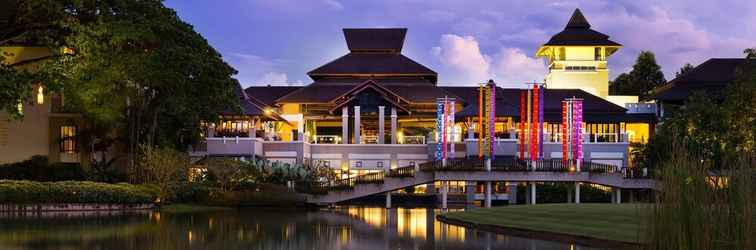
(359, 228)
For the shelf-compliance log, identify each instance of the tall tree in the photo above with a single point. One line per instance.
(685, 69)
(750, 53)
(645, 76)
(129, 66)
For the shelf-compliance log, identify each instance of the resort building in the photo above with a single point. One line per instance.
(46, 128)
(374, 109)
(711, 78)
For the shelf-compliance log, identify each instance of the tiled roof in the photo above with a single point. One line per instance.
(389, 40)
(414, 90)
(711, 77)
(508, 103)
(268, 94)
(373, 64)
(578, 32)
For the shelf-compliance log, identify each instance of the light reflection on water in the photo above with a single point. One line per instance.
(337, 228)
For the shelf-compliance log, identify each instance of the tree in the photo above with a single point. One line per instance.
(163, 166)
(719, 127)
(645, 76)
(132, 67)
(225, 170)
(750, 53)
(685, 69)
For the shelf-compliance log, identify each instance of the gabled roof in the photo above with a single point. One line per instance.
(250, 106)
(375, 40)
(508, 104)
(373, 53)
(372, 64)
(413, 90)
(352, 94)
(578, 32)
(268, 94)
(711, 77)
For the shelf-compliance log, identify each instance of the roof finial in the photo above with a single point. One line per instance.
(578, 21)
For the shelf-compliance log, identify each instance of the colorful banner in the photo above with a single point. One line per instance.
(492, 132)
(481, 93)
(521, 134)
(450, 128)
(540, 121)
(572, 131)
(439, 129)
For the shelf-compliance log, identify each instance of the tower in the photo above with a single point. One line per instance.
(577, 57)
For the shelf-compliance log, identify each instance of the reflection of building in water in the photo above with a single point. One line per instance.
(415, 223)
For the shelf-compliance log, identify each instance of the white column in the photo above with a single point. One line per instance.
(345, 125)
(618, 195)
(533, 193)
(393, 125)
(487, 199)
(470, 192)
(211, 130)
(252, 129)
(357, 125)
(444, 193)
(512, 190)
(471, 130)
(388, 199)
(381, 132)
(577, 192)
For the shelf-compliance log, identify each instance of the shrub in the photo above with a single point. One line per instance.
(164, 166)
(38, 168)
(26, 192)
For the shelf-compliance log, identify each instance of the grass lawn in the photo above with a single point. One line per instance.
(618, 222)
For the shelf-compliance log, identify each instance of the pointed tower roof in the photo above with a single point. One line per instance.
(578, 32)
(578, 21)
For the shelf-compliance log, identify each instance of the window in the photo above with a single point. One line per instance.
(412, 164)
(580, 68)
(380, 164)
(358, 164)
(233, 128)
(68, 139)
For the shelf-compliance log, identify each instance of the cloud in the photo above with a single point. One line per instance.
(463, 55)
(513, 68)
(674, 40)
(274, 78)
(438, 16)
(254, 69)
(509, 66)
(334, 4)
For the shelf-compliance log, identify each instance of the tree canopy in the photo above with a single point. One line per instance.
(128, 66)
(645, 76)
(718, 128)
(684, 69)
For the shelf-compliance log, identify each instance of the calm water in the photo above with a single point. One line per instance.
(362, 228)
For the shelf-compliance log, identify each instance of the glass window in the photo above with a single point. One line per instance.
(233, 128)
(68, 139)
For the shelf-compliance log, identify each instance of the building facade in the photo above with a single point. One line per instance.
(374, 109)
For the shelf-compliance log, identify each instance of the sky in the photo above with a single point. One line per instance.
(276, 42)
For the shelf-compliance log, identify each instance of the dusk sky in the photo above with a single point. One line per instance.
(278, 41)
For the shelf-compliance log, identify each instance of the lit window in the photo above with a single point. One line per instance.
(68, 139)
(40, 95)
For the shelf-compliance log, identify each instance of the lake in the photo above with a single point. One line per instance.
(357, 227)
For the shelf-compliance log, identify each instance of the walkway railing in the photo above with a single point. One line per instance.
(408, 171)
(510, 164)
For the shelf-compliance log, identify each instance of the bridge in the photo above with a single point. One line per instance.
(506, 169)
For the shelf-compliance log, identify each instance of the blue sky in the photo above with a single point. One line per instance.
(278, 41)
